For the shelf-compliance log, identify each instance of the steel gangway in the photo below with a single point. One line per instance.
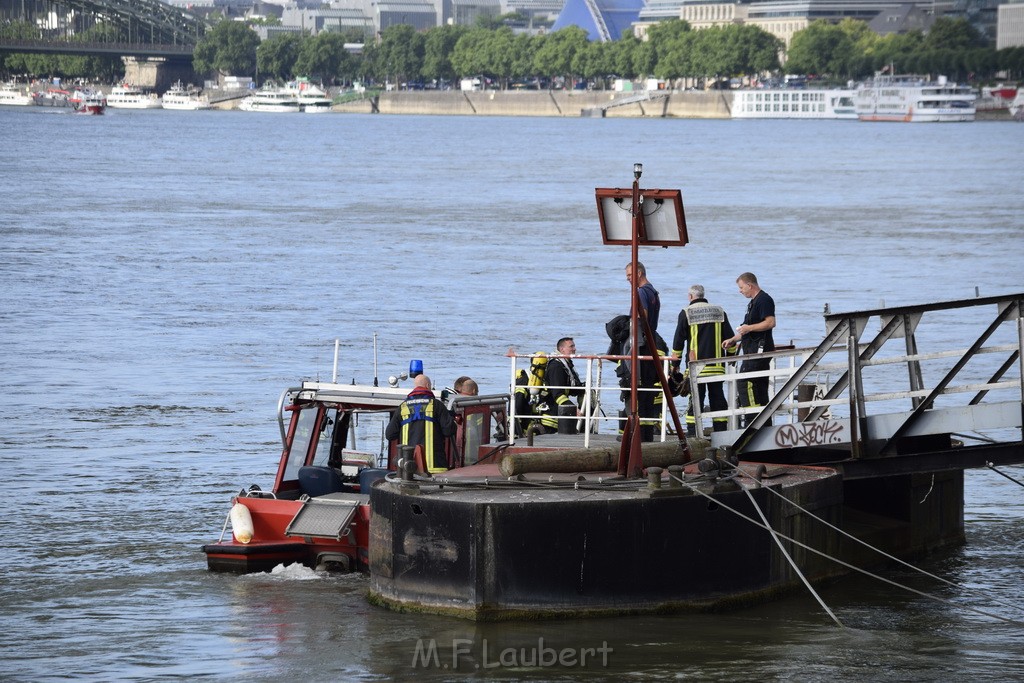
(906, 388)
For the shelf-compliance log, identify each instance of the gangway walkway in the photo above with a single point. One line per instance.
(903, 389)
(645, 96)
(864, 397)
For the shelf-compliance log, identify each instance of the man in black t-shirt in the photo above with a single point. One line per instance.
(754, 336)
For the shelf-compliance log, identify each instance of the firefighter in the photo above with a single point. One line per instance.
(422, 420)
(564, 385)
(700, 331)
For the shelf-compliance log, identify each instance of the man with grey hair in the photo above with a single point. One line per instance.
(700, 331)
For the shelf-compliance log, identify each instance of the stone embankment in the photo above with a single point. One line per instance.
(658, 104)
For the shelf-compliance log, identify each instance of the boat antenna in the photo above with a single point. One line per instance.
(374, 359)
(334, 373)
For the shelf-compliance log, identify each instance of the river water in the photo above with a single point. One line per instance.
(164, 275)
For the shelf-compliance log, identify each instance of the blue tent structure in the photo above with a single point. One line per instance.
(604, 20)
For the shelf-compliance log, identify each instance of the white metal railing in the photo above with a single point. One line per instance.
(843, 377)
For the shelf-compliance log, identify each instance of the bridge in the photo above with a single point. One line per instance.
(137, 28)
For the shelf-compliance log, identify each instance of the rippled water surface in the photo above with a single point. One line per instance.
(164, 275)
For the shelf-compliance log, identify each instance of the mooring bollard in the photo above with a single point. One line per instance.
(406, 463)
(675, 476)
(654, 477)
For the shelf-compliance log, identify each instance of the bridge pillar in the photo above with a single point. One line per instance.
(155, 73)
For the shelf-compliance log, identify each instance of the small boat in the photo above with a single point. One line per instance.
(184, 97)
(52, 97)
(132, 97)
(1003, 91)
(88, 101)
(914, 99)
(11, 94)
(271, 99)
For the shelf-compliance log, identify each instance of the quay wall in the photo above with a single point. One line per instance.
(545, 103)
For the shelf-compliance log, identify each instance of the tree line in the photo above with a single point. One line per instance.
(673, 50)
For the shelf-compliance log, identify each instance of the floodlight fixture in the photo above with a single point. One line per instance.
(661, 223)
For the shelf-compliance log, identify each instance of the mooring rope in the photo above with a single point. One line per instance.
(847, 564)
(1003, 474)
(792, 562)
(881, 552)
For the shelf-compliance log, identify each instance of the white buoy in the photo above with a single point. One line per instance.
(241, 523)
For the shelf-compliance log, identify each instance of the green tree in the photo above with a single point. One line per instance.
(325, 57)
(523, 49)
(751, 49)
(438, 47)
(1011, 59)
(623, 56)
(821, 48)
(469, 58)
(399, 55)
(277, 56)
(894, 51)
(501, 55)
(555, 55)
(673, 45)
(593, 62)
(953, 34)
(229, 48)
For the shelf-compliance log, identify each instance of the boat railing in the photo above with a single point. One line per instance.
(856, 390)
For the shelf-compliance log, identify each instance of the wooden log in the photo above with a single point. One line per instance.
(599, 459)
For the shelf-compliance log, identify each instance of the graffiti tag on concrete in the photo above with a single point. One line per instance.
(816, 433)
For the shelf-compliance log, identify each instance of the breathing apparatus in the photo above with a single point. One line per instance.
(538, 364)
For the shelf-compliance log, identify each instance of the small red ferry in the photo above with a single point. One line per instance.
(318, 511)
(88, 102)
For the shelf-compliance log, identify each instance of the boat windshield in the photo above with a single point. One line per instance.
(304, 422)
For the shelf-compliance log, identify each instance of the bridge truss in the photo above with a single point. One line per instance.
(149, 22)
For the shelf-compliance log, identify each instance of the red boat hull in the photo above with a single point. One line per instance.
(270, 546)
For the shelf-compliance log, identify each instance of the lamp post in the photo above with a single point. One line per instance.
(665, 226)
(631, 434)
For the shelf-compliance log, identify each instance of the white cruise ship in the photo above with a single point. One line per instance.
(184, 97)
(278, 100)
(914, 99)
(793, 103)
(131, 97)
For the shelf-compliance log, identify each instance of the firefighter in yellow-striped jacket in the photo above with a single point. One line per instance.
(422, 420)
(701, 329)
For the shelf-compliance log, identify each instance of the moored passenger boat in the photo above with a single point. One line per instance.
(271, 99)
(313, 100)
(182, 97)
(914, 99)
(52, 97)
(793, 103)
(126, 96)
(13, 95)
